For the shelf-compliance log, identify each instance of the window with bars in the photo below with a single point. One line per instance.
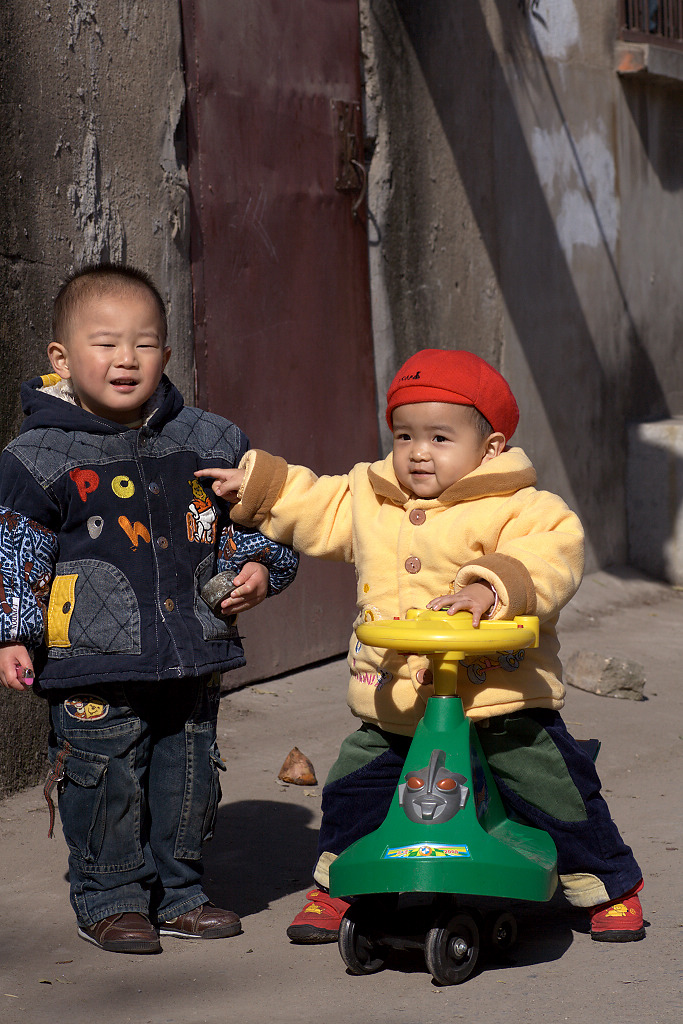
(653, 21)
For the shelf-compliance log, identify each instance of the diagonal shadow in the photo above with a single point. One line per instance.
(586, 393)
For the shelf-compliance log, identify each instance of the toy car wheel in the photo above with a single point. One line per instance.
(360, 944)
(502, 931)
(452, 949)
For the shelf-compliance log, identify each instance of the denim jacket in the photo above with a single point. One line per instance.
(113, 522)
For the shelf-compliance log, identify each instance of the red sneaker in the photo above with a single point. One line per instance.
(319, 920)
(619, 920)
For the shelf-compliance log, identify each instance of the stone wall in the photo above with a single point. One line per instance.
(92, 168)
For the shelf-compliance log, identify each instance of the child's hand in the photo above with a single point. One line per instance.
(16, 667)
(476, 598)
(227, 482)
(251, 587)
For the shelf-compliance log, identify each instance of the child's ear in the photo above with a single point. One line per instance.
(494, 446)
(59, 358)
(166, 356)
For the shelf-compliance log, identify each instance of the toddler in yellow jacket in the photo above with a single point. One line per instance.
(451, 519)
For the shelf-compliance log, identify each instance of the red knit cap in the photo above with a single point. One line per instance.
(443, 375)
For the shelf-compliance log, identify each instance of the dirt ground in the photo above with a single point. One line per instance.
(259, 863)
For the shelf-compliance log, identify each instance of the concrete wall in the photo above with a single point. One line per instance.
(527, 205)
(91, 169)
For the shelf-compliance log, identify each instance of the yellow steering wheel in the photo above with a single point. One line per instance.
(447, 639)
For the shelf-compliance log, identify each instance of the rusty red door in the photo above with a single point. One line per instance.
(280, 269)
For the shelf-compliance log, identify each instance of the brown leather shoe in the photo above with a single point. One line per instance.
(122, 933)
(205, 922)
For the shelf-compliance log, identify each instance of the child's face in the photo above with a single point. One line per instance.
(436, 444)
(114, 353)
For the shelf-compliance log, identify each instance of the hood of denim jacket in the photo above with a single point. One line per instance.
(48, 401)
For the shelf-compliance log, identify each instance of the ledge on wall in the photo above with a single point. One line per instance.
(654, 498)
(647, 60)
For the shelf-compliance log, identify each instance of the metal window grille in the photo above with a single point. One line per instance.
(653, 21)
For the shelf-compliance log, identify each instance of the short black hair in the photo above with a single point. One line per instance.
(100, 279)
(479, 422)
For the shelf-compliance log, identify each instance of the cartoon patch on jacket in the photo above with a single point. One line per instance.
(478, 669)
(201, 517)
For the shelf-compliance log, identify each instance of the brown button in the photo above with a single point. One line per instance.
(417, 517)
(425, 677)
(168, 604)
(162, 542)
(413, 564)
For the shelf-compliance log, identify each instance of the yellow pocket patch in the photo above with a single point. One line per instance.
(60, 610)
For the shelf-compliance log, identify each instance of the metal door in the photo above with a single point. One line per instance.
(280, 270)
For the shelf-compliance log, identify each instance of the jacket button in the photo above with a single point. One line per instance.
(169, 605)
(162, 542)
(417, 517)
(154, 488)
(413, 564)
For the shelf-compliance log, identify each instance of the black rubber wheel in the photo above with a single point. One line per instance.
(360, 943)
(452, 949)
(502, 931)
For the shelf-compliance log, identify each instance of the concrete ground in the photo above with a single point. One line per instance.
(259, 862)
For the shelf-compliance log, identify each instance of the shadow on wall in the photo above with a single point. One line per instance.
(585, 394)
(657, 113)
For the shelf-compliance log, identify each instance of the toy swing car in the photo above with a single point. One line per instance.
(446, 831)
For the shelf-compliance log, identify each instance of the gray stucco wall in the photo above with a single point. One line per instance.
(527, 206)
(91, 169)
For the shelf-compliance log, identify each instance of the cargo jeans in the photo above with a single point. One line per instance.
(136, 767)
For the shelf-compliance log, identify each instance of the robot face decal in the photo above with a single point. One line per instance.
(433, 794)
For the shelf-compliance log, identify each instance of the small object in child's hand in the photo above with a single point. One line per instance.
(217, 589)
(26, 676)
(297, 769)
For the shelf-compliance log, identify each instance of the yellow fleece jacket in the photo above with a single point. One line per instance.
(491, 525)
